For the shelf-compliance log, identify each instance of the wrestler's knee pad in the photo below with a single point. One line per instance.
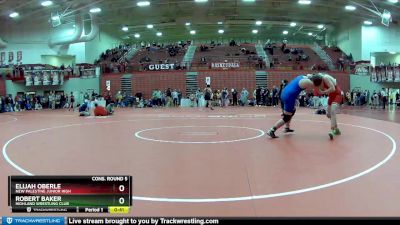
(287, 118)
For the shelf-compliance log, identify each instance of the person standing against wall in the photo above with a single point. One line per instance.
(234, 97)
(71, 102)
(175, 97)
(208, 95)
(199, 96)
(384, 97)
(275, 96)
(52, 99)
(244, 95)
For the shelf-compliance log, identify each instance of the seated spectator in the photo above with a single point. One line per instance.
(38, 106)
(110, 109)
(304, 57)
(99, 110)
(84, 109)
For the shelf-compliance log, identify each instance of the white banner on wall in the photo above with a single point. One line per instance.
(10, 57)
(2, 57)
(19, 56)
(208, 80)
(170, 66)
(108, 85)
(397, 74)
(225, 65)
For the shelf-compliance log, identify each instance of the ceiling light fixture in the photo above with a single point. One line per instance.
(321, 26)
(221, 31)
(293, 24)
(367, 22)
(187, 24)
(200, 0)
(159, 34)
(350, 7)
(137, 35)
(310, 34)
(258, 22)
(150, 26)
(285, 32)
(95, 10)
(254, 31)
(304, 2)
(192, 32)
(393, 1)
(14, 14)
(125, 28)
(143, 3)
(47, 3)
(55, 18)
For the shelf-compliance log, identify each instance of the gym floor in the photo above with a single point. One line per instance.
(198, 162)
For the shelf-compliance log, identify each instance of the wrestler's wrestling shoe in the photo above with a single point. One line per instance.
(271, 133)
(336, 131)
(331, 135)
(288, 130)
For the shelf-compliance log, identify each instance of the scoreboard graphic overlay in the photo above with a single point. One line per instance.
(75, 194)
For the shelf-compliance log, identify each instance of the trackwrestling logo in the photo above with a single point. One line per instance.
(33, 220)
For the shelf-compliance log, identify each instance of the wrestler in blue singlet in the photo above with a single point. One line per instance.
(290, 94)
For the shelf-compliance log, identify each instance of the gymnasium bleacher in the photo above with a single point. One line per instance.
(280, 59)
(335, 54)
(157, 54)
(245, 54)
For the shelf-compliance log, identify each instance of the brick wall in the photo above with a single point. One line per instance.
(229, 79)
(115, 83)
(145, 82)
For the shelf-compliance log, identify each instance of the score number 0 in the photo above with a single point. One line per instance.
(121, 200)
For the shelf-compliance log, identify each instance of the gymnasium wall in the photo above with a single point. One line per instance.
(55, 60)
(228, 79)
(386, 58)
(115, 83)
(348, 38)
(101, 43)
(33, 38)
(361, 40)
(379, 39)
(146, 82)
(75, 85)
(364, 83)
